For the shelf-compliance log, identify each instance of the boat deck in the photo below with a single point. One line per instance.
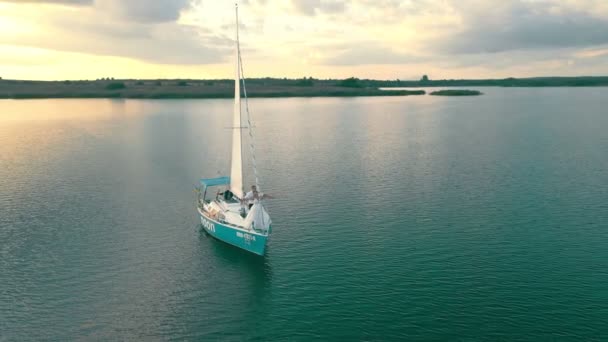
(227, 212)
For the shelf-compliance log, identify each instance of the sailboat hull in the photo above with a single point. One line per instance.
(249, 241)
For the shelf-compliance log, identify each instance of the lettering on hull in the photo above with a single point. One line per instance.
(208, 225)
(247, 237)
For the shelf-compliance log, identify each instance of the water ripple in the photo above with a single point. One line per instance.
(396, 219)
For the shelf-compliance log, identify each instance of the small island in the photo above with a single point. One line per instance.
(456, 92)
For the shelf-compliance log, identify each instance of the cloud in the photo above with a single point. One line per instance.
(136, 10)
(368, 53)
(312, 7)
(166, 44)
(146, 10)
(93, 30)
(592, 53)
(370, 38)
(518, 25)
(64, 2)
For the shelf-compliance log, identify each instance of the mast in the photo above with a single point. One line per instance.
(236, 167)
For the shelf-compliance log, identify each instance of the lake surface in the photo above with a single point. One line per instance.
(435, 218)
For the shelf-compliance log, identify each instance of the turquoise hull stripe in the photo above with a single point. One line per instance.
(250, 242)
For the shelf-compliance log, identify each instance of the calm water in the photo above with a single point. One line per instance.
(398, 218)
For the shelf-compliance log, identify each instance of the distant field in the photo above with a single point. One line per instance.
(264, 87)
(175, 89)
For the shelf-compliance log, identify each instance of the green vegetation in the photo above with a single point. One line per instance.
(456, 92)
(305, 82)
(584, 81)
(176, 89)
(115, 85)
(263, 87)
(352, 82)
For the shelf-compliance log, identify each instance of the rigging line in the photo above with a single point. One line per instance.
(251, 135)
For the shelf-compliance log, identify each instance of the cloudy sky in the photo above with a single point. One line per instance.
(384, 39)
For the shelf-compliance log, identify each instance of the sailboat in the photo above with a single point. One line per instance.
(227, 216)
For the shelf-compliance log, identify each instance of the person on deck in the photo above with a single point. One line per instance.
(228, 195)
(253, 195)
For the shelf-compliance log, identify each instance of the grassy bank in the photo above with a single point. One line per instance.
(181, 89)
(579, 81)
(264, 87)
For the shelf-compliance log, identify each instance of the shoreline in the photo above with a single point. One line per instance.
(261, 87)
(186, 89)
(178, 96)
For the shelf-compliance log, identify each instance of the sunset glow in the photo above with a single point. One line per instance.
(384, 39)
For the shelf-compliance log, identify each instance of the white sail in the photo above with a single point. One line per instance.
(236, 167)
(258, 218)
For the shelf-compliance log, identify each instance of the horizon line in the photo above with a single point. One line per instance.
(299, 78)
